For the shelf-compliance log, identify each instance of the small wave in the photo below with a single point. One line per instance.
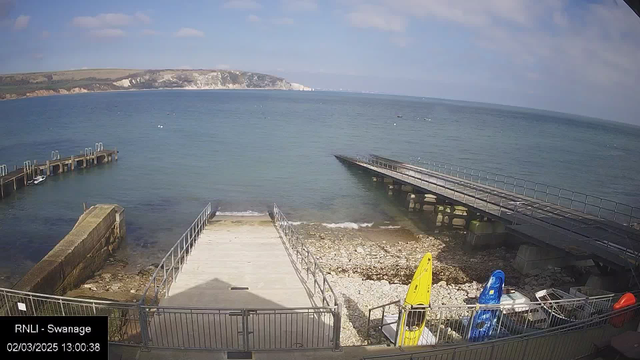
(240, 213)
(297, 222)
(390, 227)
(348, 225)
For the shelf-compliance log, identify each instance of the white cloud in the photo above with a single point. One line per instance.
(282, 21)
(188, 32)
(21, 22)
(400, 41)
(222, 66)
(142, 18)
(149, 32)
(110, 20)
(106, 33)
(299, 5)
(374, 16)
(253, 18)
(242, 4)
(472, 13)
(45, 34)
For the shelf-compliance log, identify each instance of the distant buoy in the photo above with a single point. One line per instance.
(160, 126)
(394, 124)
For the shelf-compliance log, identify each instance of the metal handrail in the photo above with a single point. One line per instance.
(305, 257)
(512, 183)
(172, 262)
(595, 322)
(12, 292)
(485, 199)
(448, 315)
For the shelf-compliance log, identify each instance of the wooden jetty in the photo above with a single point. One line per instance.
(20, 176)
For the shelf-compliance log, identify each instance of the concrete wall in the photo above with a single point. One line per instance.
(79, 254)
(532, 259)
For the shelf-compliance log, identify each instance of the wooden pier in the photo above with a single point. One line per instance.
(20, 176)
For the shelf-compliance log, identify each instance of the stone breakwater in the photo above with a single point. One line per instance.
(368, 267)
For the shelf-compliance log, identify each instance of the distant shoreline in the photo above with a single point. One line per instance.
(55, 93)
(17, 86)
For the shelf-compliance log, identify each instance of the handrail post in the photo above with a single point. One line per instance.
(143, 323)
(337, 327)
(400, 327)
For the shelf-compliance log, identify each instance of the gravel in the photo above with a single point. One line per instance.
(357, 296)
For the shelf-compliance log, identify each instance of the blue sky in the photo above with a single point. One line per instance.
(572, 56)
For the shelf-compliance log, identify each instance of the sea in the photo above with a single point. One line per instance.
(244, 150)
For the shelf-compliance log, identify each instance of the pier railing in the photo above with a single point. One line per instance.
(171, 264)
(569, 341)
(454, 324)
(518, 208)
(574, 200)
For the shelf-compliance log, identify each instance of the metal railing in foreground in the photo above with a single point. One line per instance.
(189, 328)
(240, 329)
(454, 324)
(124, 320)
(171, 264)
(569, 341)
(306, 259)
(574, 200)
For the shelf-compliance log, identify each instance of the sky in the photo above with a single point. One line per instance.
(575, 56)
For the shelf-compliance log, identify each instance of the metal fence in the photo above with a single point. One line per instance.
(124, 324)
(517, 209)
(307, 264)
(171, 264)
(304, 257)
(240, 329)
(464, 323)
(570, 341)
(585, 203)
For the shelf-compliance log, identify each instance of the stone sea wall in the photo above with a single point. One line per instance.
(78, 255)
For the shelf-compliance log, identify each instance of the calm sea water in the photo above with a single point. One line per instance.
(245, 150)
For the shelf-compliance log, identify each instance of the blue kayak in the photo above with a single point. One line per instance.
(484, 321)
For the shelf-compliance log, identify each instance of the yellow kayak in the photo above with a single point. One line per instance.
(419, 294)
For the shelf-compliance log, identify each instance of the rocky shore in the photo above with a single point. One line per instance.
(114, 282)
(368, 267)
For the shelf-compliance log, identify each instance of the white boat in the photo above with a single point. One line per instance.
(37, 180)
(561, 309)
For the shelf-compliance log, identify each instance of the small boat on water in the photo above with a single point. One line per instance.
(37, 180)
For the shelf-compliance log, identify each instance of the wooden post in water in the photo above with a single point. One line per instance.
(48, 168)
(1, 188)
(73, 163)
(25, 175)
(116, 151)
